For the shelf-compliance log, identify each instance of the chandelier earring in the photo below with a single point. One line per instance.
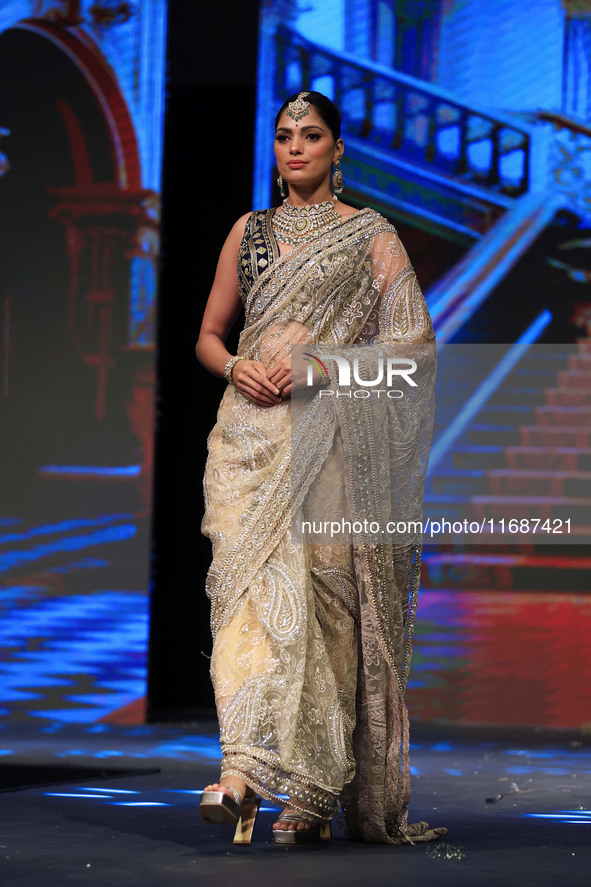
(338, 182)
(281, 186)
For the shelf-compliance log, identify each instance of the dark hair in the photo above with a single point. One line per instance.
(323, 105)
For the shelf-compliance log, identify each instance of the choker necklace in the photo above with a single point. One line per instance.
(299, 224)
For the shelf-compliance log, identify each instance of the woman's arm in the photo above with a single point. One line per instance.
(222, 309)
(223, 305)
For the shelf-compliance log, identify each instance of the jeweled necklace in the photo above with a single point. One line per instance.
(299, 224)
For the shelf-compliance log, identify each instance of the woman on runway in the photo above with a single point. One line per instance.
(311, 642)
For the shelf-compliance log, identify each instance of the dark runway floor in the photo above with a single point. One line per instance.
(132, 826)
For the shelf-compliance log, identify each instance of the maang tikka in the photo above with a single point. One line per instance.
(298, 108)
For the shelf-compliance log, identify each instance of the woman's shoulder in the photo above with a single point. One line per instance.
(345, 210)
(240, 224)
(363, 211)
(242, 227)
(370, 219)
(248, 220)
(374, 214)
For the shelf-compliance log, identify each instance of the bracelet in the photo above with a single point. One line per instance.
(229, 367)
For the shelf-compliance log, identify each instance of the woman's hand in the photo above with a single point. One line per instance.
(250, 378)
(280, 375)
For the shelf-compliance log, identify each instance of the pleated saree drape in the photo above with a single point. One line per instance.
(311, 642)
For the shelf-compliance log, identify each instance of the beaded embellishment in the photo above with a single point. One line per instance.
(229, 367)
(298, 108)
(299, 224)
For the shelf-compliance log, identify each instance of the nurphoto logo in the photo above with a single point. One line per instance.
(384, 368)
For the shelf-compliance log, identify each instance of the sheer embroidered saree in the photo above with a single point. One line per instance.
(311, 642)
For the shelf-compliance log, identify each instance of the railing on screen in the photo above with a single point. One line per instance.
(412, 118)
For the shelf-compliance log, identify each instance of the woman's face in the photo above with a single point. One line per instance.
(305, 150)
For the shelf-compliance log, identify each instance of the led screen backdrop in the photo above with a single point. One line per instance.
(476, 148)
(466, 123)
(81, 120)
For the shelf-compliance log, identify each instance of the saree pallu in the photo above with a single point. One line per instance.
(311, 643)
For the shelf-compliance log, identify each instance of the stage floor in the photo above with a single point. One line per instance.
(92, 826)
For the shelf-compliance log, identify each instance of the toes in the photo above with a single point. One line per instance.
(216, 787)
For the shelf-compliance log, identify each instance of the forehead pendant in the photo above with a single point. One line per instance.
(299, 108)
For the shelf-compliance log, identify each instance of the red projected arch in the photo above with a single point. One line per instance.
(87, 56)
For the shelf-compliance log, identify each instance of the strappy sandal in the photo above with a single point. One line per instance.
(219, 807)
(315, 831)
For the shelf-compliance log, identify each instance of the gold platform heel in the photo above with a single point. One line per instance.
(249, 811)
(326, 831)
(220, 807)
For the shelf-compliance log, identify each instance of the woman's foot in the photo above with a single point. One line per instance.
(290, 825)
(228, 783)
(231, 801)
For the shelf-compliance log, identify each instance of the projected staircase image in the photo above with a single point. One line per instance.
(526, 457)
(412, 150)
(515, 617)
